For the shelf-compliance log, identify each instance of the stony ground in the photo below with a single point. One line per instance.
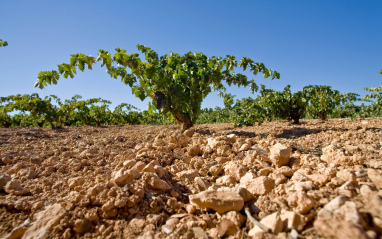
(278, 180)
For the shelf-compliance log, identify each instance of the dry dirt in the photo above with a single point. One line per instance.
(312, 180)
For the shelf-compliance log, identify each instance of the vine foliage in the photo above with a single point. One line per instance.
(176, 84)
(3, 43)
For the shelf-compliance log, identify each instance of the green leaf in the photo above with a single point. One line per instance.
(3, 43)
(81, 66)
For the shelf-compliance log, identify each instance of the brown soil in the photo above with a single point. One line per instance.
(65, 165)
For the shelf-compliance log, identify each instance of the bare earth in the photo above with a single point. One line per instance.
(312, 180)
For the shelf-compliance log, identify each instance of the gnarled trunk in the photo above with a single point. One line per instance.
(296, 118)
(186, 123)
(322, 114)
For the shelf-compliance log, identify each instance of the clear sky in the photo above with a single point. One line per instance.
(322, 42)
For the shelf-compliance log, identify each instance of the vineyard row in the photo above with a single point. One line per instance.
(311, 102)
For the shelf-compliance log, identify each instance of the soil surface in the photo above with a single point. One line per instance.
(317, 179)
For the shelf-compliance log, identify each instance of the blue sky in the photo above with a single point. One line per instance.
(336, 43)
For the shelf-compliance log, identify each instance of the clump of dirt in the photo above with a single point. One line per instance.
(318, 178)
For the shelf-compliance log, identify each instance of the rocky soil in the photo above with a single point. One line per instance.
(278, 180)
